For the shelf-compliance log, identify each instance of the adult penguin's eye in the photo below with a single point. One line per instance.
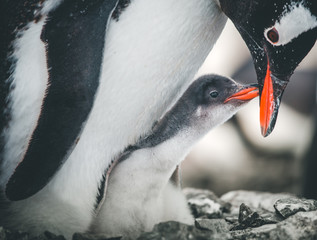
(213, 94)
(273, 35)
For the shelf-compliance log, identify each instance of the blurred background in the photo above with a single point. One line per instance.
(235, 156)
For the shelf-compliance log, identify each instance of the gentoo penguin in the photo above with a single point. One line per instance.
(279, 35)
(139, 193)
(83, 79)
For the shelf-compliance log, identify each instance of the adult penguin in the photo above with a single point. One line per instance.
(83, 79)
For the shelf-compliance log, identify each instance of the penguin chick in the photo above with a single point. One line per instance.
(139, 194)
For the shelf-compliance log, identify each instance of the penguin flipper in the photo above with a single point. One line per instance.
(75, 37)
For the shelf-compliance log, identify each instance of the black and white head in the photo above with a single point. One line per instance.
(213, 99)
(279, 34)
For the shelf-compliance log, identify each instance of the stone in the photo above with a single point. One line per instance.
(213, 225)
(88, 236)
(204, 203)
(176, 230)
(302, 225)
(48, 236)
(289, 206)
(244, 212)
(249, 218)
(271, 217)
(6, 234)
(258, 233)
(256, 200)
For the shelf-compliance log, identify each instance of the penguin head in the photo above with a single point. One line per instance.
(279, 34)
(213, 99)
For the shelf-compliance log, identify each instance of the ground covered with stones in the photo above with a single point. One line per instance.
(235, 215)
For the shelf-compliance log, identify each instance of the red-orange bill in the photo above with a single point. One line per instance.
(244, 94)
(266, 103)
(270, 100)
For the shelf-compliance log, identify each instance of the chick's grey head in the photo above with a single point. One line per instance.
(213, 99)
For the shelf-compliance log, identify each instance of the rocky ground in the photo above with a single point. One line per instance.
(236, 215)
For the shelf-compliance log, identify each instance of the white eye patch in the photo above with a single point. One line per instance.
(293, 22)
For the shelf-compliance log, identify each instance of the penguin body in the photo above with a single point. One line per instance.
(63, 155)
(139, 194)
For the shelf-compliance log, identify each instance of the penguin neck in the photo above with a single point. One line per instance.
(174, 121)
(172, 137)
(173, 151)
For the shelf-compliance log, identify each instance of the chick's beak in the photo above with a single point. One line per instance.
(247, 93)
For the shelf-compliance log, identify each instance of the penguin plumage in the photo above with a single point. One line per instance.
(55, 165)
(139, 194)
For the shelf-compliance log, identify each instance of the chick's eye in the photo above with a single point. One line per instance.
(273, 35)
(213, 94)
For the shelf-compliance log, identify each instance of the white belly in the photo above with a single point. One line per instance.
(149, 60)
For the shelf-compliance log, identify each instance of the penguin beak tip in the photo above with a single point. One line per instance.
(271, 95)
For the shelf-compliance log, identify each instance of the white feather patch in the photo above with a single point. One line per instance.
(292, 23)
(50, 5)
(29, 82)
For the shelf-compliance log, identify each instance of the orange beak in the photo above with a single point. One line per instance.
(244, 94)
(271, 95)
(266, 103)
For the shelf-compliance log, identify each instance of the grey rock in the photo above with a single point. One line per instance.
(248, 218)
(48, 236)
(261, 233)
(302, 225)
(213, 225)
(204, 203)
(6, 234)
(270, 217)
(176, 230)
(88, 236)
(244, 212)
(256, 200)
(289, 206)
(232, 219)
